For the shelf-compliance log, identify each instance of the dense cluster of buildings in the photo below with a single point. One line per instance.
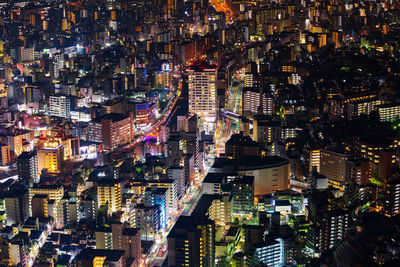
(199, 133)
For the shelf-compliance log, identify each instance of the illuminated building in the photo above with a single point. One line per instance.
(266, 130)
(359, 170)
(54, 194)
(202, 92)
(146, 218)
(191, 242)
(220, 210)
(158, 197)
(172, 198)
(89, 257)
(95, 131)
(119, 237)
(267, 253)
(362, 105)
(117, 130)
(16, 140)
(20, 249)
(50, 157)
(328, 220)
(389, 112)
(333, 166)
(4, 155)
(212, 184)
(17, 206)
(177, 174)
(239, 146)
(315, 158)
(145, 115)
(109, 194)
(255, 101)
(382, 156)
(40, 206)
(61, 106)
(242, 197)
(392, 200)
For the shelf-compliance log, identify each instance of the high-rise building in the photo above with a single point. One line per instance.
(54, 194)
(27, 167)
(329, 221)
(158, 197)
(17, 206)
(172, 198)
(256, 101)
(242, 197)
(50, 157)
(109, 194)
(40, 206)
(4, 155)
(120, 237)
(333, 166)
(266, 130)
(392, 201)
(117, 130)
(239, 146)
(191, 242)
(177, 174)
(61, 106)
(147, 219)
(202, 92)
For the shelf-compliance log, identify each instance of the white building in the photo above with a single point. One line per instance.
(202, 92)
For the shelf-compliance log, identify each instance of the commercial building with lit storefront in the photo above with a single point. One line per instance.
(202, 91)
(145, 115)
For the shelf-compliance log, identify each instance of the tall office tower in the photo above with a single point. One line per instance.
(27, 167)
(202, 92)
(256, 101)
(191, 242)
(17, 206)
(50, 157)
(116, 129)
(328, 219)
(242, 197)
(61, 106)
(109, 194)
